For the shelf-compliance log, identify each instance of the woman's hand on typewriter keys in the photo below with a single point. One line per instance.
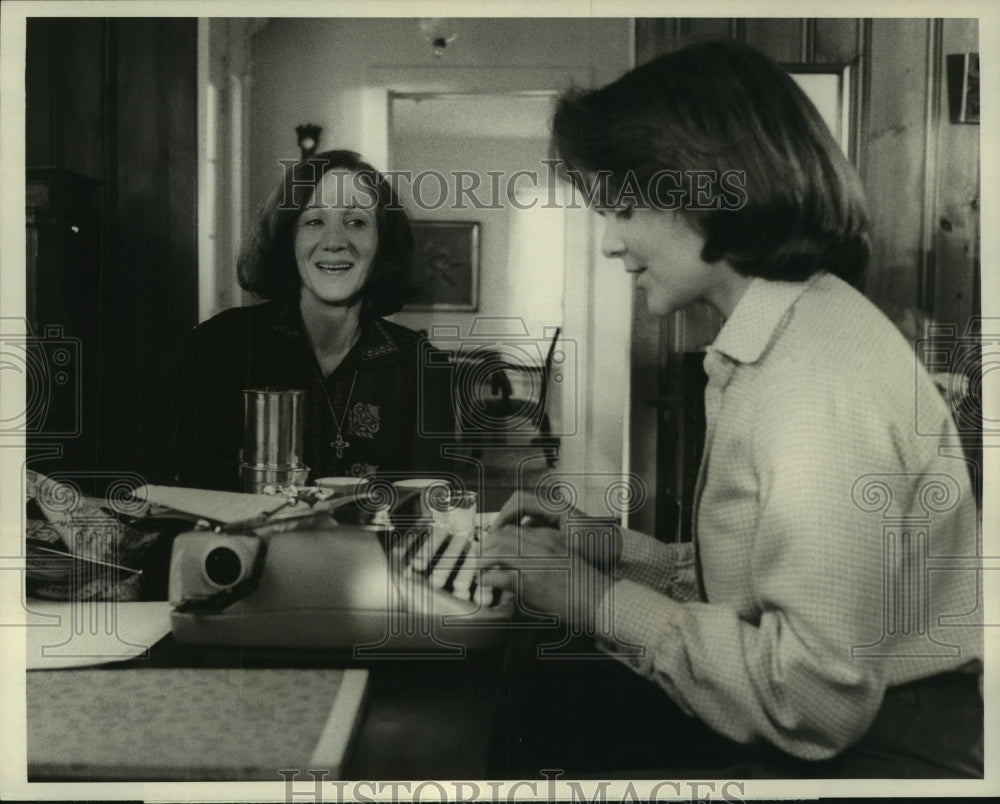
(524, 509)
(535, 564)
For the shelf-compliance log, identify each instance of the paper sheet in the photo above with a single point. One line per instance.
(63, 634)
(221, 506)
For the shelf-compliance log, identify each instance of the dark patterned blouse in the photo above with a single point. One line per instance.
(395, 410)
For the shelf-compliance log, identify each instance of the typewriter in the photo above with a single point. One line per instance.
(340, 576)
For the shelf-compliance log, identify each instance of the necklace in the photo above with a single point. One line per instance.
(339, 443)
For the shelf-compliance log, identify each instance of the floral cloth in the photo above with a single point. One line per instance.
(77, 548)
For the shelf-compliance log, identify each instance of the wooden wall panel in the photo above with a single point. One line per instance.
(653, 37)
(848, 42)
(894, 164)
(954, 285)
(695, 29)
(784, 40)
(837, 41)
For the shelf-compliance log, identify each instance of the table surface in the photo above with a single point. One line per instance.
(422, 719)
(499, 713)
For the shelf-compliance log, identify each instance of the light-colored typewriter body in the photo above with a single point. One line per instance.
(332, 588)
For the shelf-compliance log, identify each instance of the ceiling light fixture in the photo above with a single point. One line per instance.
(439, 32)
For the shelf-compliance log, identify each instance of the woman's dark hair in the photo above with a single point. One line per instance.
(266, 266)
(722, 133)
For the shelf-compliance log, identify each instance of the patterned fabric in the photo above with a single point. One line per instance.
(364, 420)
(827, 505)
(75, 548)
(395, 414)
(667, 568)
(189, 724)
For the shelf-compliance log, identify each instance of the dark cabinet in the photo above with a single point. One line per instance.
(111, 115)
(62, 247)
(61, 288)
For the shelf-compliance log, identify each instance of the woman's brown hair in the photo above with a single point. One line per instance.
(722, 133)
(266, 266)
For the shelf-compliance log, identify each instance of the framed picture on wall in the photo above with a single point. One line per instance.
(828, 86)
(963, 87)
(446, 266)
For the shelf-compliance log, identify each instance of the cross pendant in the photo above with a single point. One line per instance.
(339, 445)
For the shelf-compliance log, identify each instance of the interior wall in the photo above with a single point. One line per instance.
(320, 70)
(338, 74)
(443, 154)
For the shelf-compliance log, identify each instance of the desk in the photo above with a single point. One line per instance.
(423, 719)
(499, 713)
(432, 720)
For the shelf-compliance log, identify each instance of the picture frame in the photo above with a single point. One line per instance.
(828, 86)
(445, 266)
(963, 87)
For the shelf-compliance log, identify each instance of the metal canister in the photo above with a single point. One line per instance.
(274, 432)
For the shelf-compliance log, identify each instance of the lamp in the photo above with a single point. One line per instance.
(308, 135)
(439, 32)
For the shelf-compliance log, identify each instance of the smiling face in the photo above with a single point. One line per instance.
(336, 238)
(662, 251)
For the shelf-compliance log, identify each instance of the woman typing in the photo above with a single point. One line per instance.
(771, 627)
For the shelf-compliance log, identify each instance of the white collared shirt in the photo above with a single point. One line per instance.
(827, 501)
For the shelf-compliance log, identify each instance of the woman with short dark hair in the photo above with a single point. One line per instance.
(723, 135)
(331, 250)
(801, 622)
(267, 266)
